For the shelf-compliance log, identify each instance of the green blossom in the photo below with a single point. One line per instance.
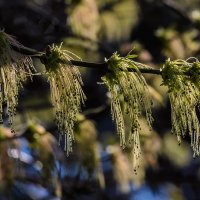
(184, 98)
(194, 73)
(14, 69)
(129, 97)
(66, 92)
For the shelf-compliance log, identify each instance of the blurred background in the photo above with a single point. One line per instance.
(33, 166)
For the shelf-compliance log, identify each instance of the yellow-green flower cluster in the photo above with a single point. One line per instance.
(194, 72)
(129, 97)
(14, 69)
(183, 89)
(66, 92)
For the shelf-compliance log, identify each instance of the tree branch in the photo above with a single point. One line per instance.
(27, 51)
(100, 66)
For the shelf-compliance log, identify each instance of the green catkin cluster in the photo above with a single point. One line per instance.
(66, 91)
(129, 97)
(194, 72)
(14, 69)
(183, 91)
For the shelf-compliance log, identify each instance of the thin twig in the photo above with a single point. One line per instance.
(27, 51)
(99, 66)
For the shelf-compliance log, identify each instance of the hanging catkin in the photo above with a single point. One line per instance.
(184, 98)
(129, 97)
(14, 69)
(66, 92)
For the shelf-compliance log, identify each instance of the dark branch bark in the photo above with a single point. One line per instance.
(99, 66)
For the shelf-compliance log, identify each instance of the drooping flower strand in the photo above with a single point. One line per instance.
(184, 98)
(116, 111)
(14, 68)
(132, 89)
(66, 91)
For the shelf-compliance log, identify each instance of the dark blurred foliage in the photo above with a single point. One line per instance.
(32, 166)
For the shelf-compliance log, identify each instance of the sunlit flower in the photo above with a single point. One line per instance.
(129, 97)
(14, 69)
(66, 92)
(194, 72)
(184, 98)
